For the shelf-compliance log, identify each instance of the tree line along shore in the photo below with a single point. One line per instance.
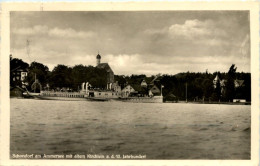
(186, 86)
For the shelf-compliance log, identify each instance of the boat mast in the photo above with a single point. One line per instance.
(28, 53)
(28, 49)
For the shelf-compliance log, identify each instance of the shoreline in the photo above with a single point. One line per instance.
(183, 102)
(216, 102)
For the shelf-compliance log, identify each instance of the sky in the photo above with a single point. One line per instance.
(139, 42)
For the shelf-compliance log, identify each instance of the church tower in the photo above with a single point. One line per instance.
(98, 59)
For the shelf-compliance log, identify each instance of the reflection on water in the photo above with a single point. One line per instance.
(157, 130)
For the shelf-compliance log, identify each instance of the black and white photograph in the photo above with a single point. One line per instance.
(130, 85)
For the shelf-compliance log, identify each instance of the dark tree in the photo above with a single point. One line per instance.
(216, 95)
(60, 77)
(121, 80)
(16, 63)
(38, 71)
(230, 87)
(78, 75)
(96, 77)
(208, 89)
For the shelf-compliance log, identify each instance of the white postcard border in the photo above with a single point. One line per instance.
(127, 6)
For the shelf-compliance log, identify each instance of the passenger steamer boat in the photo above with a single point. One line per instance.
(92, 96)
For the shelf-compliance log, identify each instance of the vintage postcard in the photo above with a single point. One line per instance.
(150, 83)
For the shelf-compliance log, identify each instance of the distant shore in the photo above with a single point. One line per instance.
(212, 102)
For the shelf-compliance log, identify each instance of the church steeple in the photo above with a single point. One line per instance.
(98, 59)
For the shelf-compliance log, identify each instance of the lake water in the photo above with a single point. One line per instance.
(157, 130)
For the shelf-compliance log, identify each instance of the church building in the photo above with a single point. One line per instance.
(110, 73)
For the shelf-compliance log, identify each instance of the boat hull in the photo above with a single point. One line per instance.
(97, 99)
(59, 98)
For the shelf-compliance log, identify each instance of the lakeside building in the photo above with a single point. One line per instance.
(215, 81)
(237, 85)
(19, 74)
(155, 90)
(117, 88)
(18, 71)
(144, 84)
(156, 80)
(110, 73)
(155, 84)
(127, 90)
(141, 90)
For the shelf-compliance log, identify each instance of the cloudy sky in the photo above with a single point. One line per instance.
(148, 43)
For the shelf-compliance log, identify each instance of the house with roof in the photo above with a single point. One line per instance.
(156, 80)
(117, 88)
(238, 83)
(155, 90)
(154, 85)
(127, 90)
(223, 85)
(144, 84)
(215, 81)
(18, 74)
(142, 89)
(223, 82)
